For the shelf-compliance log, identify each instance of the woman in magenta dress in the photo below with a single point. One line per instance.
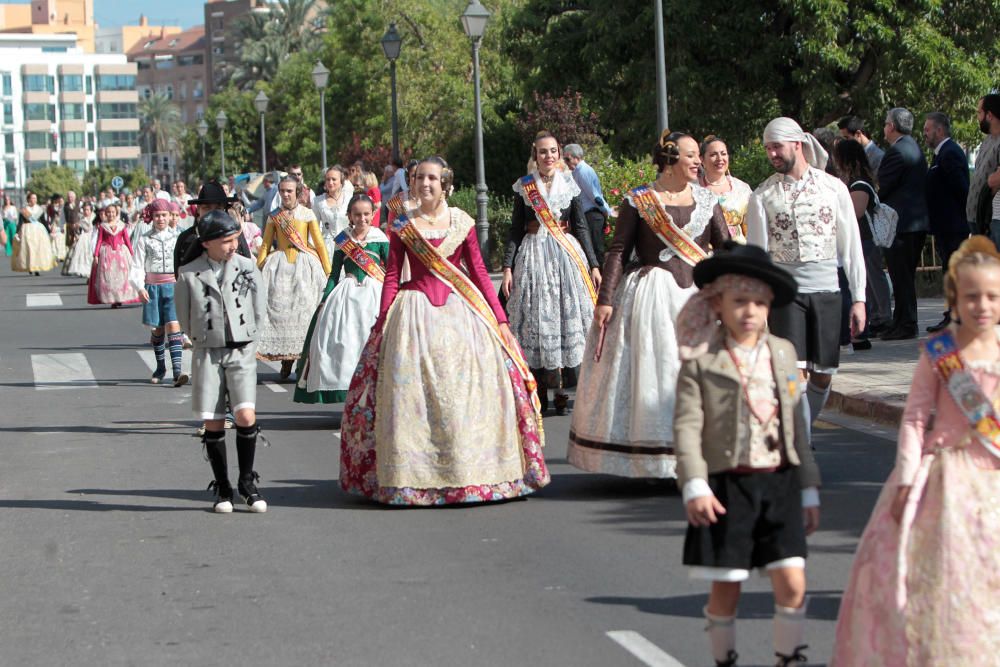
(442, 408)
(112, 259)
(923, 587)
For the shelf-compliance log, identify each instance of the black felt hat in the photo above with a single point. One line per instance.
(217, 224)
(747, 260)
(212, 193)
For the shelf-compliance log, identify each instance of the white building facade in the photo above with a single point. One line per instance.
(63, 106)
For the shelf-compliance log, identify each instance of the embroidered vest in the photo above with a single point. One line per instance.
(801, 219)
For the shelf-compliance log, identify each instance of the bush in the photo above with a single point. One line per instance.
(749, 163)
(498, 212)
(52, 180)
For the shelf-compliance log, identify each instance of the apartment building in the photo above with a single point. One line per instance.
(61, 105)
(173, 65)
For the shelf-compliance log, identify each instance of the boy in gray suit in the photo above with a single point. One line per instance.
(220, 299)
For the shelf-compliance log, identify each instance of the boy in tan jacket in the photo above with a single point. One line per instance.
(745, 467)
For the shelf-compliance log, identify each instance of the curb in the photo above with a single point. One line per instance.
(866, 406)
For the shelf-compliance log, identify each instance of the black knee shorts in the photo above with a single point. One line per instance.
(812, 323)
(763, 522)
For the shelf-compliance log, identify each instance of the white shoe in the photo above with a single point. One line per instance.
(258, 506)
(223, 507)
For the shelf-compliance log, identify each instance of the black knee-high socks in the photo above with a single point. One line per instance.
(246, 447)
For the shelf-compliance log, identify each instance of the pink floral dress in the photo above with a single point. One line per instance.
(109, 276)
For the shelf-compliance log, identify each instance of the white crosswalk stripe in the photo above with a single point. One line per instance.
(149, 358)
(42, 299)
(62, 371)
(643, 649)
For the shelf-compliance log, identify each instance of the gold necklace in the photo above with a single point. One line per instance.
(431, 220)
(547, 180)
(675, 195)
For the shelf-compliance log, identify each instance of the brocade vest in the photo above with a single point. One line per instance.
(801, 218)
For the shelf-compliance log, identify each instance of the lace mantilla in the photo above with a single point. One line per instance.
(453, 236)
(564, 188)
(704, 204)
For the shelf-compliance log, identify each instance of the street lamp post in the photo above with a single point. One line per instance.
(474, 20)
(172, 147)
(261, 103)
(202, 128)
(220, 122)
(661, 68)
(392, 42)
(320, 76)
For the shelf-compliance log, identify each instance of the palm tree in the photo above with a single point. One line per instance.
(266, 39)
(159, 120)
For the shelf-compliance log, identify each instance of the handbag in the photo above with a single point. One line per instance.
(984, 205)
(882, 219)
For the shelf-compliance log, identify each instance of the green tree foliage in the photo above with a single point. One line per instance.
(98, 178)
(266, 38)
(159, 121)
(52, 180)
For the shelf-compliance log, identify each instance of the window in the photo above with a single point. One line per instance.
(218, 50)
(8, 113)
(32, 167)
(39, 112)
(39, 140)
(39, 83)
(122, 166)
(187, 61)
(74, 140)
(55, 49)
(79, 166)
(217, 24)
(116, 82)
(119, 138)
(71, 83)
(117, 110)
(90, 141)
(142, 65)
(198, 91)
(7, 91)
(8, 143)
(90, 113)
(164, 63)
(90, 84)
(72, 111)
(11, 171)
(169, 91)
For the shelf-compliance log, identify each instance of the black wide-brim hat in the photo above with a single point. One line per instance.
(747, 260)
(212, 193)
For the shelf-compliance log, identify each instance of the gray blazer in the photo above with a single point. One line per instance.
(708, 406)
(200, 301)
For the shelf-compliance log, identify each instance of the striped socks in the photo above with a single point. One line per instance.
(176, 348)
(159, 350)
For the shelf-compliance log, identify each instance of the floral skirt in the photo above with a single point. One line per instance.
(340, 330)
(293, 292)
(923, 591)
(437, 413)
(623, 416)
(550, 308)
(32, 249)
(109, 277)
(59, 246)
(80, 257)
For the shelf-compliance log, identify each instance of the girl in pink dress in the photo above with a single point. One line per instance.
(923, 588)
(439, 410)
(109, 281)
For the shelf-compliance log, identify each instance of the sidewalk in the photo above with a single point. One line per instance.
(873, 384)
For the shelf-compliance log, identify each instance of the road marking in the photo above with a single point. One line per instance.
(275, 387)
(643, 649)
(43, 299)
(149, 358)
(273, 365)
(62, 371)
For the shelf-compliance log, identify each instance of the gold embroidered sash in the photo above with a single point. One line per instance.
(663, 225)
(358, 255)
(283, 221)
(396, 204)
(544, 215)
(968, 395)
(444, 270)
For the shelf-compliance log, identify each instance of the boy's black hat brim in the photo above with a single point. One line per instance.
(748, 260)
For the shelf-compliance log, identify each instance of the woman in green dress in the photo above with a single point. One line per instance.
(350, 306)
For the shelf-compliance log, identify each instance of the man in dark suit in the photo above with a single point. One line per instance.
(947, 191)
(902, 177)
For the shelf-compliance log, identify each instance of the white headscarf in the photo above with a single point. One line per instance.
(786, 129)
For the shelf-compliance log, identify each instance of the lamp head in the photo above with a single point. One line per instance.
(474, 20)
(260, 102)
(392, 42)
(320, 76)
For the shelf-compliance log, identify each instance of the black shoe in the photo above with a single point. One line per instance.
(934, 328)
(900, 334)
(249, 493)
(562, 404)
(730, 660)
(786, 660)
(879, 329)
(861, 344)
(223, 496)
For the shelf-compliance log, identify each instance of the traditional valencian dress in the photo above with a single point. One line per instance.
(32, 244)
(344, 319)
(333, 218)
(624, 414)
(109, 281)
(734, 206)
(81, 253)
(551, 302)
(295, 275)
(924, 591)
(440, 410)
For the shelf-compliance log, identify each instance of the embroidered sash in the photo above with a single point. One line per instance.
(663, 225)
(974, 404)
(396, 204)
(544, 215)
(358, 255)
(444, 270)
(283, 220)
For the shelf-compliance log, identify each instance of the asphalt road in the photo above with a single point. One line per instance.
(111, 554)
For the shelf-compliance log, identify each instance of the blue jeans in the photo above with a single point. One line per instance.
(995, 232)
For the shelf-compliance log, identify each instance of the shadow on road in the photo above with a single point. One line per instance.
(823, 605)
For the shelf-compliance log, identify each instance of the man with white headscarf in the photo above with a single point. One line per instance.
(804, 218)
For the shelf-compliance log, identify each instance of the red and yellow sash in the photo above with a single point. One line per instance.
(544, 215)
(283, 221)
(397, 204)
(444, 270)
(968, 395)
(358, 255)
(675, 238)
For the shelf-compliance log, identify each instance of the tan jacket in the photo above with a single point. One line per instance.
(709, 405)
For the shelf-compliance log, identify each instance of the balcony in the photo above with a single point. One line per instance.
(104, 96)
(118, 124)
(118, 153)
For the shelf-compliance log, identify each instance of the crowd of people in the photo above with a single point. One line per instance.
(702, 342)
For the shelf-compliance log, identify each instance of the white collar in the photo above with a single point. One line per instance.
(937, 149)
